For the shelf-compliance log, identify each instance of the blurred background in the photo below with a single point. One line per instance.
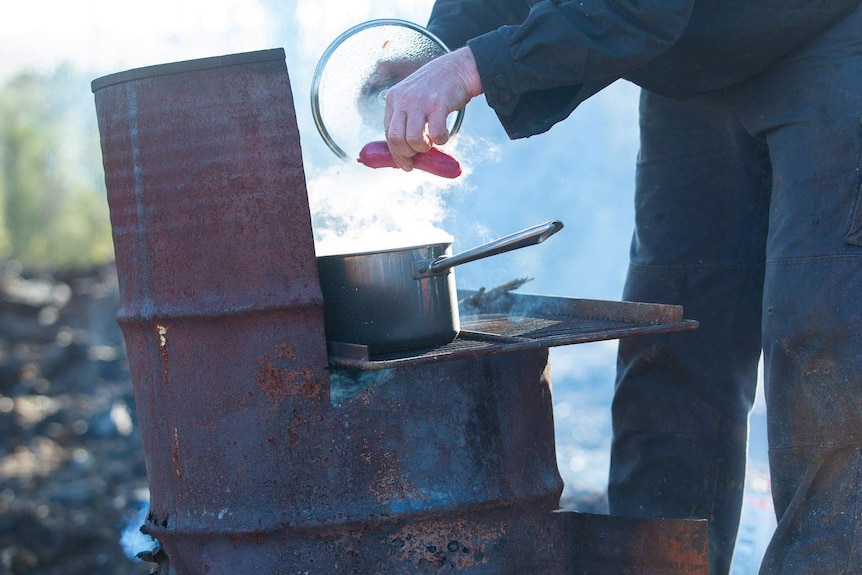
(72, 477)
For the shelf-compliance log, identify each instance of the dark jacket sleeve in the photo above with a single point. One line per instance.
(456, 21)
(539, 60)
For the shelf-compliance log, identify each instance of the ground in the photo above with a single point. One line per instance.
(72, 471)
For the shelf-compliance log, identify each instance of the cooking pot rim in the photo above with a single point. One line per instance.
(443, 245)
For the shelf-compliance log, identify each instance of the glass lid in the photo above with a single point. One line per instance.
(348, 91)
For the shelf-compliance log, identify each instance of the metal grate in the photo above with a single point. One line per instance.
(520, 322)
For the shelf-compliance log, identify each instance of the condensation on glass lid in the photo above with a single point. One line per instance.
(355, 73)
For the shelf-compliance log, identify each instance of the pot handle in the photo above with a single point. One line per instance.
(527, 237)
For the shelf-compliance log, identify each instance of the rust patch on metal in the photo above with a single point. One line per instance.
(273, 381)
(300, 424)
(175, 454)
(162, 331)
(277, 382)
(309, 385)
(388, 482)
(254, 537)
(448, 544)
(285, 351)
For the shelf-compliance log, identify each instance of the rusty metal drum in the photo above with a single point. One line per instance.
(250, 466)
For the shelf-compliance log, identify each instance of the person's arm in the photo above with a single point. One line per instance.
(535, 73)
(456, 21)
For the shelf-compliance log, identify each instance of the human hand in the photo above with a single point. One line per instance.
(417, 107)
(371, 99)
(388, 72)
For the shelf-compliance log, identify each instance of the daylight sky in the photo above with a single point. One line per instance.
(114, 35)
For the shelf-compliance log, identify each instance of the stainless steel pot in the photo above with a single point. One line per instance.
(404, 299)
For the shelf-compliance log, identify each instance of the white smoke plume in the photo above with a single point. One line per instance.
(132, 539)
(356, 208)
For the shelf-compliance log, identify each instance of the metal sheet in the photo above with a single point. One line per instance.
(518, 322)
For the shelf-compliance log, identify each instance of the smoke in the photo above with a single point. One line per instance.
(355, 209)
(358, 209)
(344, 220)
(132, 539)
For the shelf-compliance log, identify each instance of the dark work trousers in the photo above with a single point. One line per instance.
(749, 215)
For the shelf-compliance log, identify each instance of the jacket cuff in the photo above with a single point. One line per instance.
(496, 72)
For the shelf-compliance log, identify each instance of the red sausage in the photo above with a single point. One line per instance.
(377, 155)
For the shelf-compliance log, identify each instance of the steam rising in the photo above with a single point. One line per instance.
(355, 208)
(359, 209)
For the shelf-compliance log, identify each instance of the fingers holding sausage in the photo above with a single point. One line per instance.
(396, 130)
(438, 129)
(377, 155)
(417, 107)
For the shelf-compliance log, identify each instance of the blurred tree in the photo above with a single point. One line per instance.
(53, 210)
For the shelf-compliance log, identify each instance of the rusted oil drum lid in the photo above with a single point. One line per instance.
(348, 91)
(187, 66)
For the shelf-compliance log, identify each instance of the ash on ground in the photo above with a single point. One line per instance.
(72, 471)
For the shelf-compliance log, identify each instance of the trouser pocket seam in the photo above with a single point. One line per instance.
(854, 233)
